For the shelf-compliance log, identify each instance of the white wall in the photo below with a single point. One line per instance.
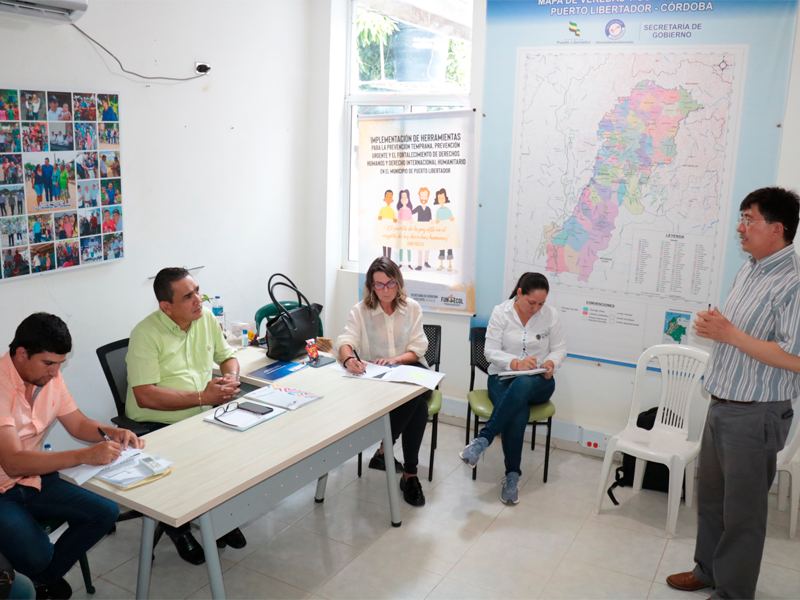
(215, 170)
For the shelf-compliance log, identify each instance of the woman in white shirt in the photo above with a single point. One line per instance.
(386, 328)
(523, 334)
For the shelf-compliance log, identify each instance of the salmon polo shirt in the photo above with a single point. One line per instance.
(30, 421)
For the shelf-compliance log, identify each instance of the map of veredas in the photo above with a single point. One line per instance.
(622, 169)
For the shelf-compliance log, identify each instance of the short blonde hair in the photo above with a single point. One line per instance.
(388, 268)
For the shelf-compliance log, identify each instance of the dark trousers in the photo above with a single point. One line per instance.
(737, 467)
(410, 420)
(512, 399)
(48, 189)
(23, 541)
(387, 252)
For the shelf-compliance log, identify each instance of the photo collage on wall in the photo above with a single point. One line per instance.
(60, 181)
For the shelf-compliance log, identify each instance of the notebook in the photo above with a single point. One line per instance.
(242, 420)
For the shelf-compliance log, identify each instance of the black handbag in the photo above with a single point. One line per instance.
(288, 331)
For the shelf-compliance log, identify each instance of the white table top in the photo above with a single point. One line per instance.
(214, 464)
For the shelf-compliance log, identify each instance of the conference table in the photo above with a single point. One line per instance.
(223, 478)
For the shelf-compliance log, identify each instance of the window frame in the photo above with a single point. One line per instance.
(405, 99)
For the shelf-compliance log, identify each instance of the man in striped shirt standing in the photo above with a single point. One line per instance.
(752, 376)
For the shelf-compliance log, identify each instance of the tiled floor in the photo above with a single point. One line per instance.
(463, 544)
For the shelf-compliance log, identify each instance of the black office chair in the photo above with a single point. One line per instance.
(112, 360)
(478, 401)
(433, 356)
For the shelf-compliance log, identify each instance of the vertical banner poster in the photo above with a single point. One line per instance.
(620, 139)
(417, 206)
(60, 181)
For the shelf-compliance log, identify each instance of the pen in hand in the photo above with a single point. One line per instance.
(105, 437)
(358, 358)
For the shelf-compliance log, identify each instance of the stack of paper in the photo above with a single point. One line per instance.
(512, 374)
(398, 374)
(83, 473)
(128, 474)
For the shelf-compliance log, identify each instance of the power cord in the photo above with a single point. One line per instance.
(111, 54)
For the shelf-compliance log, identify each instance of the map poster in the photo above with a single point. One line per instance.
(417, 206)
(619, 146)
(60, 181)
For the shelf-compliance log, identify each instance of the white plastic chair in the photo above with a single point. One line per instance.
(668, 442)
(789, 480)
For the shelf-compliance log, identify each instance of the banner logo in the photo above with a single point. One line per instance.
(573, 27)
(452, 301)
(615, 29)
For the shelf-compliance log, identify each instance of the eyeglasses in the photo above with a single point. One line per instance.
(220, 412)
(746, 221)
(379, 286)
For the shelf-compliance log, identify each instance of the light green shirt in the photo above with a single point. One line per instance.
(160, 353)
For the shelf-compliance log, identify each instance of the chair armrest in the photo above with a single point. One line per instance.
(131, 425)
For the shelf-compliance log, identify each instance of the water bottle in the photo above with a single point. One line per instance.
(48, 448)
(219, 311)
(245, 339)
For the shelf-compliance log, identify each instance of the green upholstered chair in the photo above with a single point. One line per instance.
(270, 310)
(49, 526)
(478, 401)
(433, 356)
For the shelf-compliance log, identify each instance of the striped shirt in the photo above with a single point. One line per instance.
(764, 302)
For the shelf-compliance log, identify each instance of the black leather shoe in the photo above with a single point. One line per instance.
(378, 462)
(234, 539)
(412, 491)
(60, 590)
(189, 549)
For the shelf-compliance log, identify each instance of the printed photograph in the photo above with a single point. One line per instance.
(89, 221)
(34, 137)
(43, 257)
(113, 246)
(13, 232)
(86, 165)
(68, 254)
(88, 193)
(34, 104)
(12, 200)
(109, 164)
(9, 105)
(91, 250)
(112, 192)
(109, 136)
(59, 106)
(66, 225)
(16, 262)
(112, 219)
(40, 228)
(11, 169)
(10, 138)
(109, 109)
(50, 181)
(85, 136)
(61, 137)
(84, 107)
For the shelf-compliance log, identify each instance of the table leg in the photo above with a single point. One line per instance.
(391, 481)
(319, 497)
(212, 557)
(145, 558)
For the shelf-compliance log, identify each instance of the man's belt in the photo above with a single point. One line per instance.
(731, 401)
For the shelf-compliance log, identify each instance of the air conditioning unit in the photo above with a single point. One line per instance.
(60, 11)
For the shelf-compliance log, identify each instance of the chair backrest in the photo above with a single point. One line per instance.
(682, 368)
(433, 355)
(791, 451)
(477, 342)
(112, 359)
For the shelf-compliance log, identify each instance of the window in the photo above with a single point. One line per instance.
(405, 56)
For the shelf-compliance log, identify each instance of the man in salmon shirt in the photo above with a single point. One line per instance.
(32, 396)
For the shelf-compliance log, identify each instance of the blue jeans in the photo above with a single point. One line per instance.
(512, 399)
(24, 542)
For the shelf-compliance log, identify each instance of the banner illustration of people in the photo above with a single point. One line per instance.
(401, 159)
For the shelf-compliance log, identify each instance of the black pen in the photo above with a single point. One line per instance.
(358, 358)
(103, 433)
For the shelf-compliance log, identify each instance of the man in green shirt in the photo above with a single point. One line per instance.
(170, 358)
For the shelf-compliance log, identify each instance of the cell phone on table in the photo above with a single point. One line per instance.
(254, 407)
